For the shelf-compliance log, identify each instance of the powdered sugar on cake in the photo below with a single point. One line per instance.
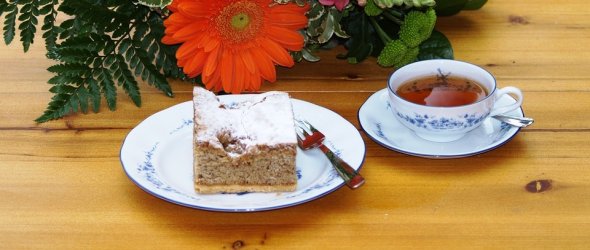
(240, 126)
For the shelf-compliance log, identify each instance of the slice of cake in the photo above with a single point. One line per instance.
(246, 146)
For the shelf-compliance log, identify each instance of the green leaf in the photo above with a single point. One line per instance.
(27, 27)
(124, 45)
(46, 9)
(3, 5)
(360, 44)
(51, 31)
(328, 27)
(104, 44)
(69, 55)
(94, 94)
(155, 3)
(65, 79)
(436, 47)
(10, 23)
(67, 99)
(70, 69)
(138, 59)
(449, 7)
(164, 55)
(58, 107)
(140, 30)
(83, 42)
(121, 72)
(338, 30)
(309, 56)
(316, 16)
(108, 88)
(83, 99)
(474, 4)
(62, 88)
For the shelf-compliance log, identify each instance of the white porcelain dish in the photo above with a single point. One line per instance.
(157, 156)
(378, 122)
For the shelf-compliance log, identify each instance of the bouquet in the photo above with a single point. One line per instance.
(102, 46)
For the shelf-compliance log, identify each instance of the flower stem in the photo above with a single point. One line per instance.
(392, 17)
(384, 37)
(395, 13)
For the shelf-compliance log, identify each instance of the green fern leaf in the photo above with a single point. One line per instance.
(83, 97)
(45, 2)
(94, 94)
(138, 59)
(103, 76)
(85, 42)
(104, 44)
(3, 5)
(51, 31)
(70, 69)
(57, 107)
(10, 23)
(59, 80)
(121, 72)
(165, 55)
(69, 55)
(80, 49)
(27, 27)
(68, 99)
(140, 30)
(63, 88)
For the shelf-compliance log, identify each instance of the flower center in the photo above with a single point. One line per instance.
(239, 21)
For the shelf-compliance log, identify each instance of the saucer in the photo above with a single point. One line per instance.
(378, 122)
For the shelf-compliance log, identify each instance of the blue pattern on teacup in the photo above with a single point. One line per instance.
(443, 123)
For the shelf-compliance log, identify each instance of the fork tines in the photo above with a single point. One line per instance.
(303, 127)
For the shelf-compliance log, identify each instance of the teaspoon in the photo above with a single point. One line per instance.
(515, 121)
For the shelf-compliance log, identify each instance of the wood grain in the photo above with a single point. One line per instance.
(62, 185)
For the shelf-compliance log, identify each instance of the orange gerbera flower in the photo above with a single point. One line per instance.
(234, 45)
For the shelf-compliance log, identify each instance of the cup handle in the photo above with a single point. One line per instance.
(507, 108)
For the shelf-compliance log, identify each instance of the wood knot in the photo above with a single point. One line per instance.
(238, 244)
(352, 76)
(538, 186)
(264, 237)
(514, 19)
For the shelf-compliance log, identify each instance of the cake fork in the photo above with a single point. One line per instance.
(309, 137)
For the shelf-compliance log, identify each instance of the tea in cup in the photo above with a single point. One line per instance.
(441, 100)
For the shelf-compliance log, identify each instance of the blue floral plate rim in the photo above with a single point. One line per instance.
(373, 126)
(145, 160)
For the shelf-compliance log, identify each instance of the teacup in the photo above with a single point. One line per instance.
(447, 123)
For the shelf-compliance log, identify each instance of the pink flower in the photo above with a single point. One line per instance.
(340, 4)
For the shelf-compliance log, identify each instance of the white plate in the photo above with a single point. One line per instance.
(378, 122)
(157, 156)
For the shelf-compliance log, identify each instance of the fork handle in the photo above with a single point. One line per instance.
(350, 176)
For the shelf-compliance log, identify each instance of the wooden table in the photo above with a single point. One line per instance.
(62, 185)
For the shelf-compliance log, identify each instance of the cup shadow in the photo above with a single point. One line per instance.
(485, 161)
